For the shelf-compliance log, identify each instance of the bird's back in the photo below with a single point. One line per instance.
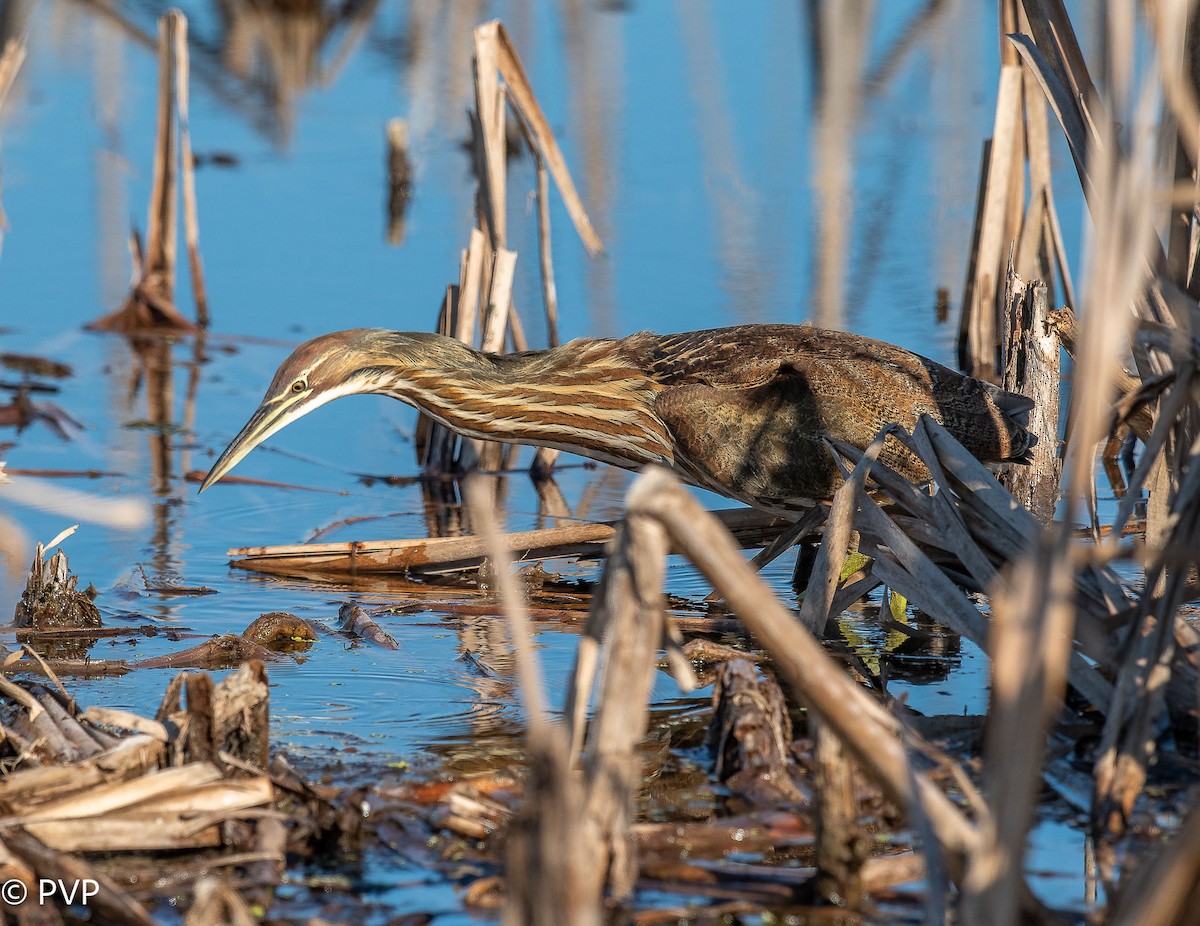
(748, 406)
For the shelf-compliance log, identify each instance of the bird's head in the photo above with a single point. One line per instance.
(326, 368)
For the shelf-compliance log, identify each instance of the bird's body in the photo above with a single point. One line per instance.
(740, 410)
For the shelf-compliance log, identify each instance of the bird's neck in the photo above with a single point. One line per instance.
(583, 397)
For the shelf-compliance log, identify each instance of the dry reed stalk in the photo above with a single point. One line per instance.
(150, 306)
(555, 873)
(500, 82)
(626, 626)
(1030, 647)
(191, 220)
(979, 329)
(827, 569)
(14, 870)
(1006, 220)
(451, 554)
(1178, 53)
(524, 101)
(11, 60)
(498, 303)
(109, 905)
(129, 757)
(1165, 887)
(1032, 652)
(545, 457)
(161, 224)
(1128, 741)
(492, 153)
(866, 730)
(470, 286)
(545, 252)
(1122, 204)
(438, 554)
(797, 531)
(1031, 368)
(1173, 26)
(126, 720)
(1039, 251)
(971, 521)
(497, 266)
(1118, 170)
(633, 623)
(216, 901)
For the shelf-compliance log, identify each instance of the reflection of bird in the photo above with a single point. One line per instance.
(741, 411)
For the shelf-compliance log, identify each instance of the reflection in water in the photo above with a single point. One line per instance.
(446, 516)
(400, 180)
(920, 653)
(437, 67)
(552, 504)
(734, 200)
(13, 20)
(839, 34)
(266, 54)
(594, 45)
(152, 370)
(111, 165)
(279, 46)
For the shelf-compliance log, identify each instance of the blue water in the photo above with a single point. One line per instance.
(691, 130)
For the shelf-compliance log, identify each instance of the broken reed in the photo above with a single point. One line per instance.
(151, 306)
(1117, 141)
(1058, 611)
(11, 60)
(481, 306)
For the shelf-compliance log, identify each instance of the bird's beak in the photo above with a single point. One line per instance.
(272, 415)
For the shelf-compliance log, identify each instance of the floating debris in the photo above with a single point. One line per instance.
(51, 600)
(281, 632)
(356, 621)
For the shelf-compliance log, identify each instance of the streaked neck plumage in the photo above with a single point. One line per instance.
(583, 397)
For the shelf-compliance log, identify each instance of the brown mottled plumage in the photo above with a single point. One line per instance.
(737, 410)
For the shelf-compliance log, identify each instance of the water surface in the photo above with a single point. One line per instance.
(702, 137)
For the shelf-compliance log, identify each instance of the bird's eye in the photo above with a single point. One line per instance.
(299, 386)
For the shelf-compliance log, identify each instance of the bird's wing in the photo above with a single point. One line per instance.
(758, 445)
(854, 385)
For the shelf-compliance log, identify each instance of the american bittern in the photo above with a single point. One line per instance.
(741, 411)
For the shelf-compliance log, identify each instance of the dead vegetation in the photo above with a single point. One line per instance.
(1070, 640)
(137, 810)
(833, 793)
(1077, 650)
(479, 311)
(150, 308)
